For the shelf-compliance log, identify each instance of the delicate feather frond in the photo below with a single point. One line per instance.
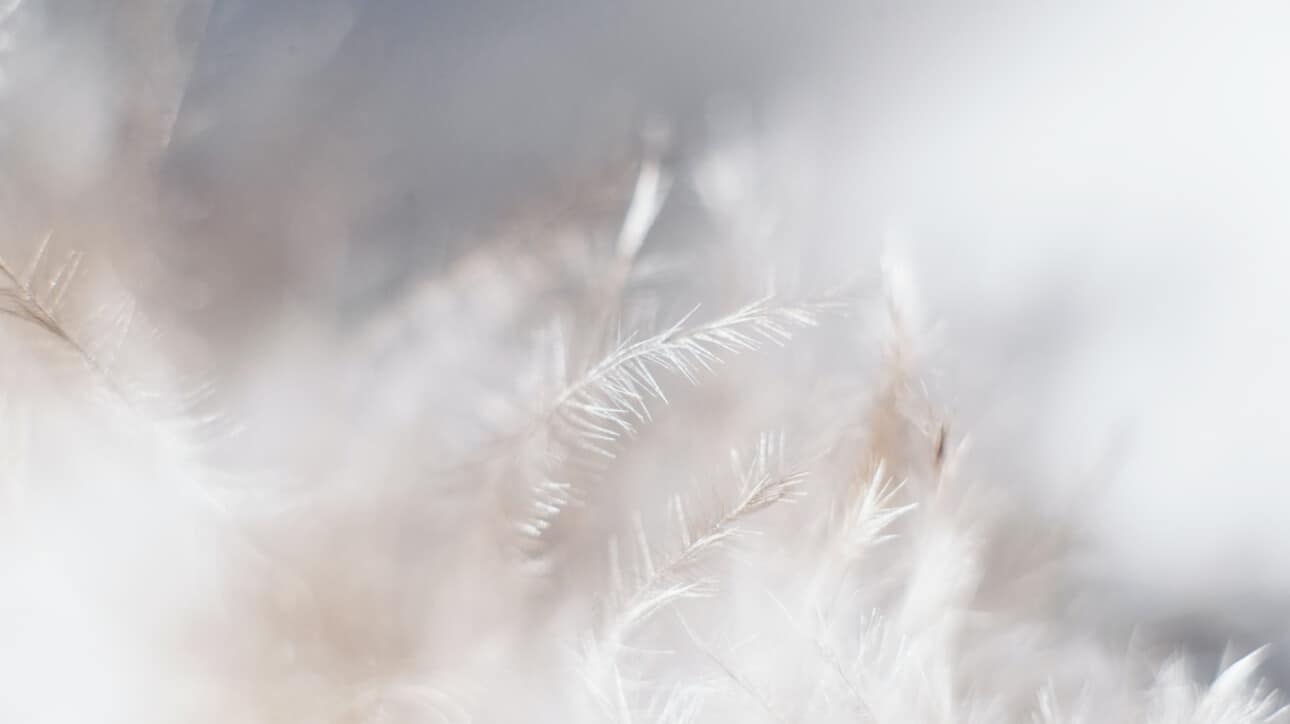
(761, 483)
(865, 523)
(1235, 697)
(610, 398)
(23, 300)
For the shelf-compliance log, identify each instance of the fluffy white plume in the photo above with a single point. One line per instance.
(320, 404)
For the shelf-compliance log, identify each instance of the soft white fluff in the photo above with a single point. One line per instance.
(645, 450)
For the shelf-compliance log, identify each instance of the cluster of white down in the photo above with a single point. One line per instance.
(761, 515)
(682, 462)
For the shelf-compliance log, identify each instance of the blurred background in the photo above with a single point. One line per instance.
(1090, 200)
